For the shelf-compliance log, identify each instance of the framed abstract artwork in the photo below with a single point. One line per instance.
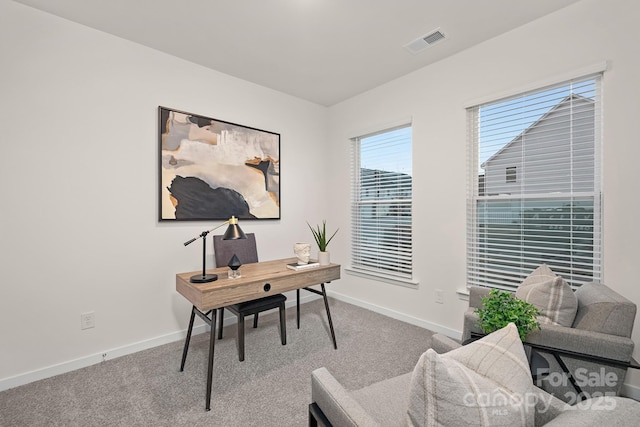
(211, 169)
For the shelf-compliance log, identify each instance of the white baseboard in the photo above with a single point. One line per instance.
(631, 391)
(113, 353)
(452, 333)
(83, 362)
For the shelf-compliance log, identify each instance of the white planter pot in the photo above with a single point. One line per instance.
(323, 258)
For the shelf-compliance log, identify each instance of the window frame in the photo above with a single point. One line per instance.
(478, 187)
(402, 204)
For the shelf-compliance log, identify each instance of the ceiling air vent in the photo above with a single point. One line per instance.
(425, 41)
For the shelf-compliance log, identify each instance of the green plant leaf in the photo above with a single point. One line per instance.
(320, 235)
(500, 308)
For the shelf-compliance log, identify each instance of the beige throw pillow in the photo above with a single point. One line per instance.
(539, 275)
(551, 295)
(484, 383)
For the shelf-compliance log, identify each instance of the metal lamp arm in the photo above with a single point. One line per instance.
(233, 232)
(204, 233)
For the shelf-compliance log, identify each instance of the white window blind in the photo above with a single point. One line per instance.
(381, 203)
(547, 210)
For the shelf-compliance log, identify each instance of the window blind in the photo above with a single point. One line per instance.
(534, 191)
(381, 203)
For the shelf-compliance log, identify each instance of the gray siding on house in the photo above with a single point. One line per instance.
(562, 139)
(536, 199)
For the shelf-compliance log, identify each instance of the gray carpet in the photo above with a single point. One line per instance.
(272, 387)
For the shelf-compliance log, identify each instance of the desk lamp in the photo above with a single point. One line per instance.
(234, 232)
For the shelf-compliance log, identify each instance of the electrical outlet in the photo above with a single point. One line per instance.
(88, 320)
(439, 296)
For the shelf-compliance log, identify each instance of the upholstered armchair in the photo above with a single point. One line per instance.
(596, 348)
(487, 382)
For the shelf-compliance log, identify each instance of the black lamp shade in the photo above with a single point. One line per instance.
(234, 232)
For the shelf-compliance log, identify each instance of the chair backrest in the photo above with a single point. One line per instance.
(245, 250)
(601, 309)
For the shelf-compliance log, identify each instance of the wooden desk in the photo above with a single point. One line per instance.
(258, 280)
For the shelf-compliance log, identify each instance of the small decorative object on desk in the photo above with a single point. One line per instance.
(303, 252)
(320, 236)
(234, 267)
(298, 267)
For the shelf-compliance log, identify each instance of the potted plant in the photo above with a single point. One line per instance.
(320, 236)
(500, 308)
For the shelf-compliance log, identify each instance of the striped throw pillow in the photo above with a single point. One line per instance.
(551, 295)
(484, 383)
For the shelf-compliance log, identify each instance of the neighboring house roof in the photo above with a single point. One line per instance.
(545, 116)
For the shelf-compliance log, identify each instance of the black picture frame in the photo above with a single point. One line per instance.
(211, 169)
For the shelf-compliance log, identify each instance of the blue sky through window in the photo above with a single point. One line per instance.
(387, 151)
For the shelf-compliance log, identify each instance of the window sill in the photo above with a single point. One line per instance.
(463, 294)
(409, 283)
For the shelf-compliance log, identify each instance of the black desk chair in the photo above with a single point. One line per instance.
(246, 251)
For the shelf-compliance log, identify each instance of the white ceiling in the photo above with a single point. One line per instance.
(324, 51)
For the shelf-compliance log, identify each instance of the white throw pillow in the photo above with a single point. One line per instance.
(484, 383)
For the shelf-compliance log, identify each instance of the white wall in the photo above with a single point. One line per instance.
(79, 174)
(79, 229)
(586, 33)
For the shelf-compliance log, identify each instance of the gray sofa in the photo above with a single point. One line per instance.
(601, 330)
(385, 403)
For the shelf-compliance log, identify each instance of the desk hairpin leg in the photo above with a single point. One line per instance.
(212, 339)
(188, 339)
(298, 306)
(326, 305)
